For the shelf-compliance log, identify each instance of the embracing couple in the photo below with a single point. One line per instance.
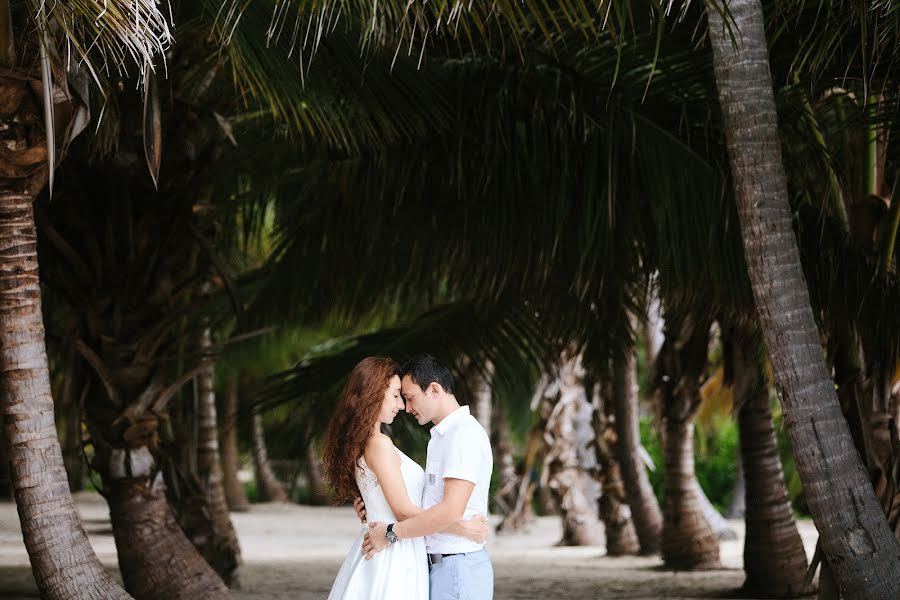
(426, 529)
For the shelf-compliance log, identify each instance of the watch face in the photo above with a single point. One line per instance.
(390, 535)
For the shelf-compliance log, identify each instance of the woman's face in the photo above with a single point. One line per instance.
(393, 402)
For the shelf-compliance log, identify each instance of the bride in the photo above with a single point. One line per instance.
(362, 461)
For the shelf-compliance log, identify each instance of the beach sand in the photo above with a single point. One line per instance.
(293, 552)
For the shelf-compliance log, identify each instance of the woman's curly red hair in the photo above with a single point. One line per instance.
(353, 421)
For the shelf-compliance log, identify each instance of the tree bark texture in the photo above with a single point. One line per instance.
(861, 549)
(268, 486)
(645, 511)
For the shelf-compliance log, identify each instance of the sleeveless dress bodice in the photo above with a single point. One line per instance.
(401, 569)
(377, 507)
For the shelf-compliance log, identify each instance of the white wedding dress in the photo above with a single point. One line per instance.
(401, 569)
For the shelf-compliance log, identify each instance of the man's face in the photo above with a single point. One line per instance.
(418, 403)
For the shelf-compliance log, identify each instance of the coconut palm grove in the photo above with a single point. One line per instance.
(656, 243)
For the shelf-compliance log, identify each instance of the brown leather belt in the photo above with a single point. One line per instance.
(434, 559)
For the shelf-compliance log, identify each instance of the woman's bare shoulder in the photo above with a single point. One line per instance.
(379, 445)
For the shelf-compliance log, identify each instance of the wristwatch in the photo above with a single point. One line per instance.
(389, 535)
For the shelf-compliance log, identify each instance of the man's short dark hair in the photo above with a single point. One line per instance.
(424, 369)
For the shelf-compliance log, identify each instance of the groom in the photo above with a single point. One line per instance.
(457, 477)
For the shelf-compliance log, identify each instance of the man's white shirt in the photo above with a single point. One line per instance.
(459, 449)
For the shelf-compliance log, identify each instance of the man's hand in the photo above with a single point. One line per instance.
(374, 541)
(360, 507)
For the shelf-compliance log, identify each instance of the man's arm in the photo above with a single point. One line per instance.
(475, 529)
(437, 518)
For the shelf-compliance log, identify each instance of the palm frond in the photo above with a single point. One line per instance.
(833, 43)
(506, 335)
(113, 36)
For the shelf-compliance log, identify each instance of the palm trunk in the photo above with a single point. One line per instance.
(222, 551)
(774, 557)
(318, 488)
(63, 563)
(480, 381)
(613, 509)
(268, 486)
(234, 489)
(856, 539)
(737, 508)
(522, 492)
(563, 474)
(507, 481)
(645, 511)
(156, 559)
(688, 541)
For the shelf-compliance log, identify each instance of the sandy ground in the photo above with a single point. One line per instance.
(294, 552)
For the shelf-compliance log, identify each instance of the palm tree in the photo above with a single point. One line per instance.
(223, 549)
(645, 511)
(613, 509)
(774, 557)
(313, 245)
(565, 472)
(688, 541)
(319, 493)
(68, 567)
(128, 345)
(267, 484)
(234, 489)
(868, 567)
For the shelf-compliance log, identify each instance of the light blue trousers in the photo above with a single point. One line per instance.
(467, 576)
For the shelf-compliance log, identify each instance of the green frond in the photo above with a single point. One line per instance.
(499, 334)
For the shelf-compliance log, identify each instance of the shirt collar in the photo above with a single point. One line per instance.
(449, 420)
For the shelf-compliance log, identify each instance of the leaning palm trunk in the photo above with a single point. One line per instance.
(563, 473)
(268, 486)
(688, 541)
(63, 563)
(864, 382)
(860, 547)
(507, 482)
(521, 492)
(156, 558)
(67, 568)
(128, 346)
(222, 550)
(613, 509)
(480, 384)
(644, 508)
(318, 487)
(774, 557)
(234, 490)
